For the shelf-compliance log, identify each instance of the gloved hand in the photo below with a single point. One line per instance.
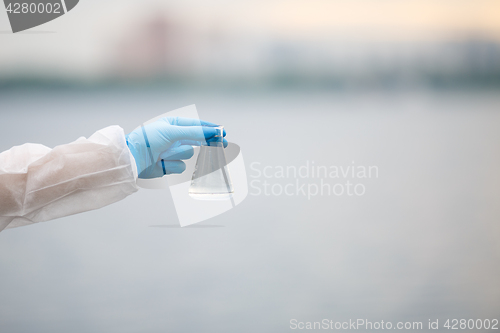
(159, 147)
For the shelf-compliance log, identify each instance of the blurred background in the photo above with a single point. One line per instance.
(412, 87)
(317, 43)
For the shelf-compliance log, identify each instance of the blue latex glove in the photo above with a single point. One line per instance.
(159, 147)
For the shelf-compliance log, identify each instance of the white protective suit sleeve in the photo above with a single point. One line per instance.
(39, 184)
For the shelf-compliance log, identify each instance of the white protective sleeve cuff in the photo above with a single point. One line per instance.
(39, 184)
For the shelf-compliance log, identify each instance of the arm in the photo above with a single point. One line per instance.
(39, 184)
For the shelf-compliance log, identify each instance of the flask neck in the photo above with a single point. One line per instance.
(214, 144)
(218, 139)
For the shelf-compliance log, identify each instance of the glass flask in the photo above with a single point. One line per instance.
(211, 180)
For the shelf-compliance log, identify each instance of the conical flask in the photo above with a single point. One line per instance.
(211, 180)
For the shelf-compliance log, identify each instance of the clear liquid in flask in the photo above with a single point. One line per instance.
(211, 180)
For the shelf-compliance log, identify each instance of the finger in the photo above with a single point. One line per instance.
(179, 121)
(177, 153)
(200, 143)
(214, 139)
(195, 133)
(153, 171)
(163, 168)
(192, 143)
(170, 167)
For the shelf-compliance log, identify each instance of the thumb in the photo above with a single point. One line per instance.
(196, 133)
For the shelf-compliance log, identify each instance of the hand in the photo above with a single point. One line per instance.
(159, 147)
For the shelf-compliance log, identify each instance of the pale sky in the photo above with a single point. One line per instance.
(83, 37)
